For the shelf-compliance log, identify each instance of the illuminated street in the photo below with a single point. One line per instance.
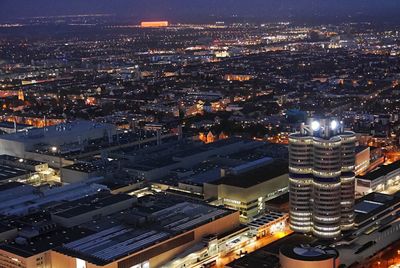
(387, 258)
(251, 247)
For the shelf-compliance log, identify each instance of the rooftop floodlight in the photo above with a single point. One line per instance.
(315, 125)
(334, 124)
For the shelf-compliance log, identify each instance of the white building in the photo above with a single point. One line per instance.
(20, 143)
(379, 179)
(321, 183)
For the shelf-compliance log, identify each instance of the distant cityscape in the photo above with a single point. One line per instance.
(224, 144)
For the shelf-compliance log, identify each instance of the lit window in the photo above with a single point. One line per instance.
(80, 263)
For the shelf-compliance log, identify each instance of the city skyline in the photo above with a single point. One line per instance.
(179, 10)
(202, 134)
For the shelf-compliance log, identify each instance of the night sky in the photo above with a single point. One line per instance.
(176, 10)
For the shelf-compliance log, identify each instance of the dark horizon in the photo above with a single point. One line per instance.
(197, 10)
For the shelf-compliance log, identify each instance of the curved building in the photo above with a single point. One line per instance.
(300, 182)
(321, 185)
(306, 256)
(347, 179)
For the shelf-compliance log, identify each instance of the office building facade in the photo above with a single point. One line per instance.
(321, 183)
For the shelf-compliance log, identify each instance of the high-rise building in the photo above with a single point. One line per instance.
(321, 180)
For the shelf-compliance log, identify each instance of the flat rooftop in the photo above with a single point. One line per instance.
(72, 129)
(42, 243)
(85, 167)
(17, 160)
(114, 238)
(279, 200)
(266, 219)
(89, 203)
(20, 199)
(360, 148)
(151, 164)
(373, 203)
(177, 153)
(380, 171)
(10, 185)
(13, 191)
(8, 172)
(196, 149)
(256, 176)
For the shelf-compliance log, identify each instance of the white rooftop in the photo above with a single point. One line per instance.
(68, 131)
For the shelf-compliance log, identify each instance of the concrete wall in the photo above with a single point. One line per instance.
(73, 176)
(53, 161)
(245, 194)
(11, 147)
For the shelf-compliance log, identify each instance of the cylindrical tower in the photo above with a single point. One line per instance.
(326, 187)
(348, 140)
(300, 182)
(321, 179)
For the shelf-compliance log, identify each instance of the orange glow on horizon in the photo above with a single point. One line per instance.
(150, 24)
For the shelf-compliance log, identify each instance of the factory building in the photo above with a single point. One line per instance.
(248, 191)
(29, 144)
(122, 232)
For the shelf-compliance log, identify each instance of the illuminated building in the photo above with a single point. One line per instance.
(22, 144)
(221, 54)
(149, 236)
(21, 96)
(269, 224)
(247, 189)
(34, 121)
(12, 127)
(379, 179)
(237, 77)
(321, 183)
(154, 24)
(222, 136)
(308, 256)
(210, 137)
(363, 156)
(202, 137)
